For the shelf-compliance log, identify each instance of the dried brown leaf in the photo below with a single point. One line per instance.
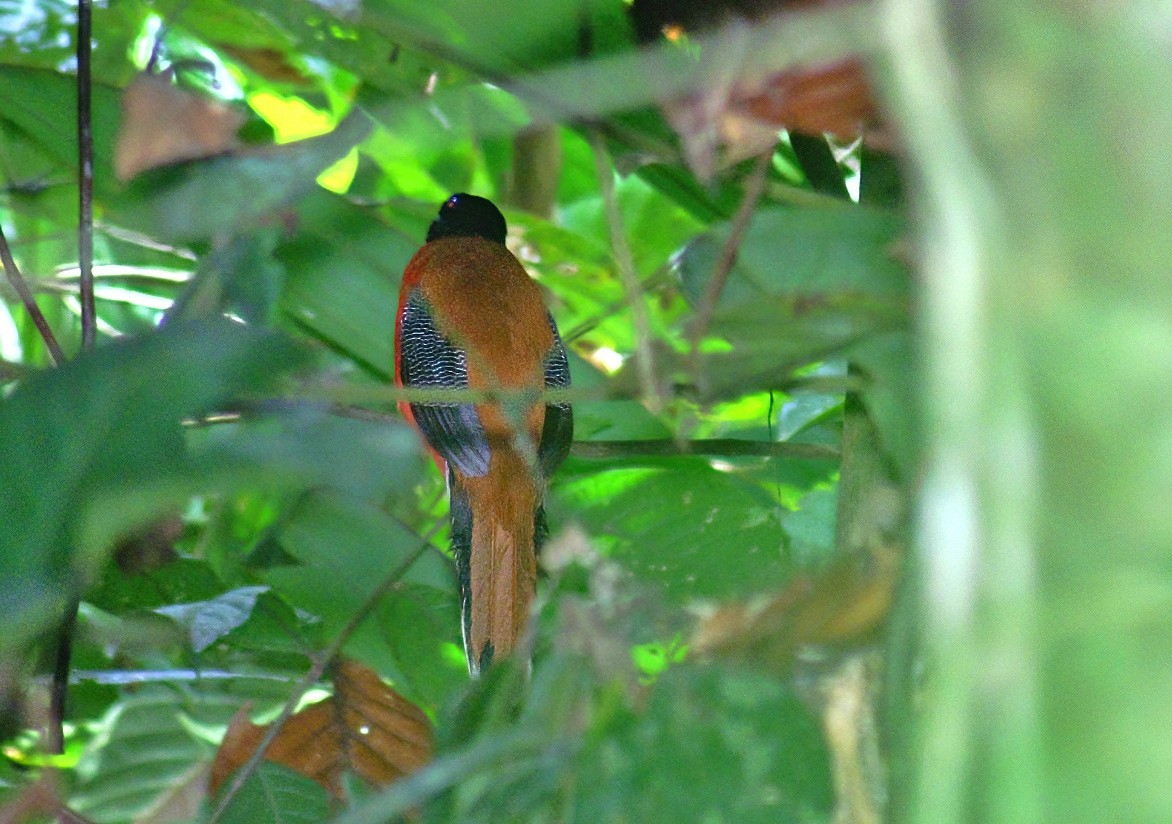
(365, 727)
(271, 64)
(164, 124)
(842, 606)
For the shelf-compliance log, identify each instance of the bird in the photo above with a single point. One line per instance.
(470, 317)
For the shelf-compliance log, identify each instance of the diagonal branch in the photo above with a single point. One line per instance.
(315, 673)
(621, 249)
(754, 187)
(30, 304)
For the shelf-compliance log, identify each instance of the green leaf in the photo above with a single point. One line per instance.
(609, 419)
(712, 745)
(149, 739)
(104, 428)
(344, 549)
(811, 528)
(339, 244)
(691, 530)
(891, 368)
(209, 621)
(274, 793)
(814, 253)
(184, 579)
(174, 203)
(39, 101)
(310, 447)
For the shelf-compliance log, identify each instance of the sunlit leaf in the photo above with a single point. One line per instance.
(172, 204)
(692, 531)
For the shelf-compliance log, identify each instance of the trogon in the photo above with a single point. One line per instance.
(470, 317)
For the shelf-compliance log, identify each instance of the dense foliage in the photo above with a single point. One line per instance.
(224, 484)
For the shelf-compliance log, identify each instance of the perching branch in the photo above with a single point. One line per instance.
(580, 449)
(712, 446)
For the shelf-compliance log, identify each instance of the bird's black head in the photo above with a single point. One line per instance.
(468, 216)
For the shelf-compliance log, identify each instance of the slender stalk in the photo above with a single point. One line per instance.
(56, 355)
(85, 147)
(644, 358)
(320, 664)
(59, 690)
(754, 186)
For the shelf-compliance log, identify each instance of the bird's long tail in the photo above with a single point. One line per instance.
(495, 521)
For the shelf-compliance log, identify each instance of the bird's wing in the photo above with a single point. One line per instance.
(427, 359)
(557, 433)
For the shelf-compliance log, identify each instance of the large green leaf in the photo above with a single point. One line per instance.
(712, 745)
(308, 446)
(812, 253)
(693, 531)
(344, 549)
(40, 103)
(344, 266)
(94, 447)
(806, 284)
(150, 739)
(276, 794)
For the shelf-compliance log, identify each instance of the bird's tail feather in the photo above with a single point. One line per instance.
(494, 526)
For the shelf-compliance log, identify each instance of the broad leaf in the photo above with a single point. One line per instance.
(105, 427)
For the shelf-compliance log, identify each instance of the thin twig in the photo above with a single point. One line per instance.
(59, 691)
(621, 249)
(389, 395)
(320, 664)
(85, 148)
(660, 279)
(711, 446)
(754, 186)
(30, 304)
(599, 449)
(59, 687)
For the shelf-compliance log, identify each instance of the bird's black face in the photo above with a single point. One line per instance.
(465, 215)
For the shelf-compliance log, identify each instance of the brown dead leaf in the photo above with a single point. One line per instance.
(164, 124)
(737, 114)
(842, 606)
(365, 727)
(271, 64)
(40, 798)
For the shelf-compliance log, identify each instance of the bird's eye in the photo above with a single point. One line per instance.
(452, 201)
